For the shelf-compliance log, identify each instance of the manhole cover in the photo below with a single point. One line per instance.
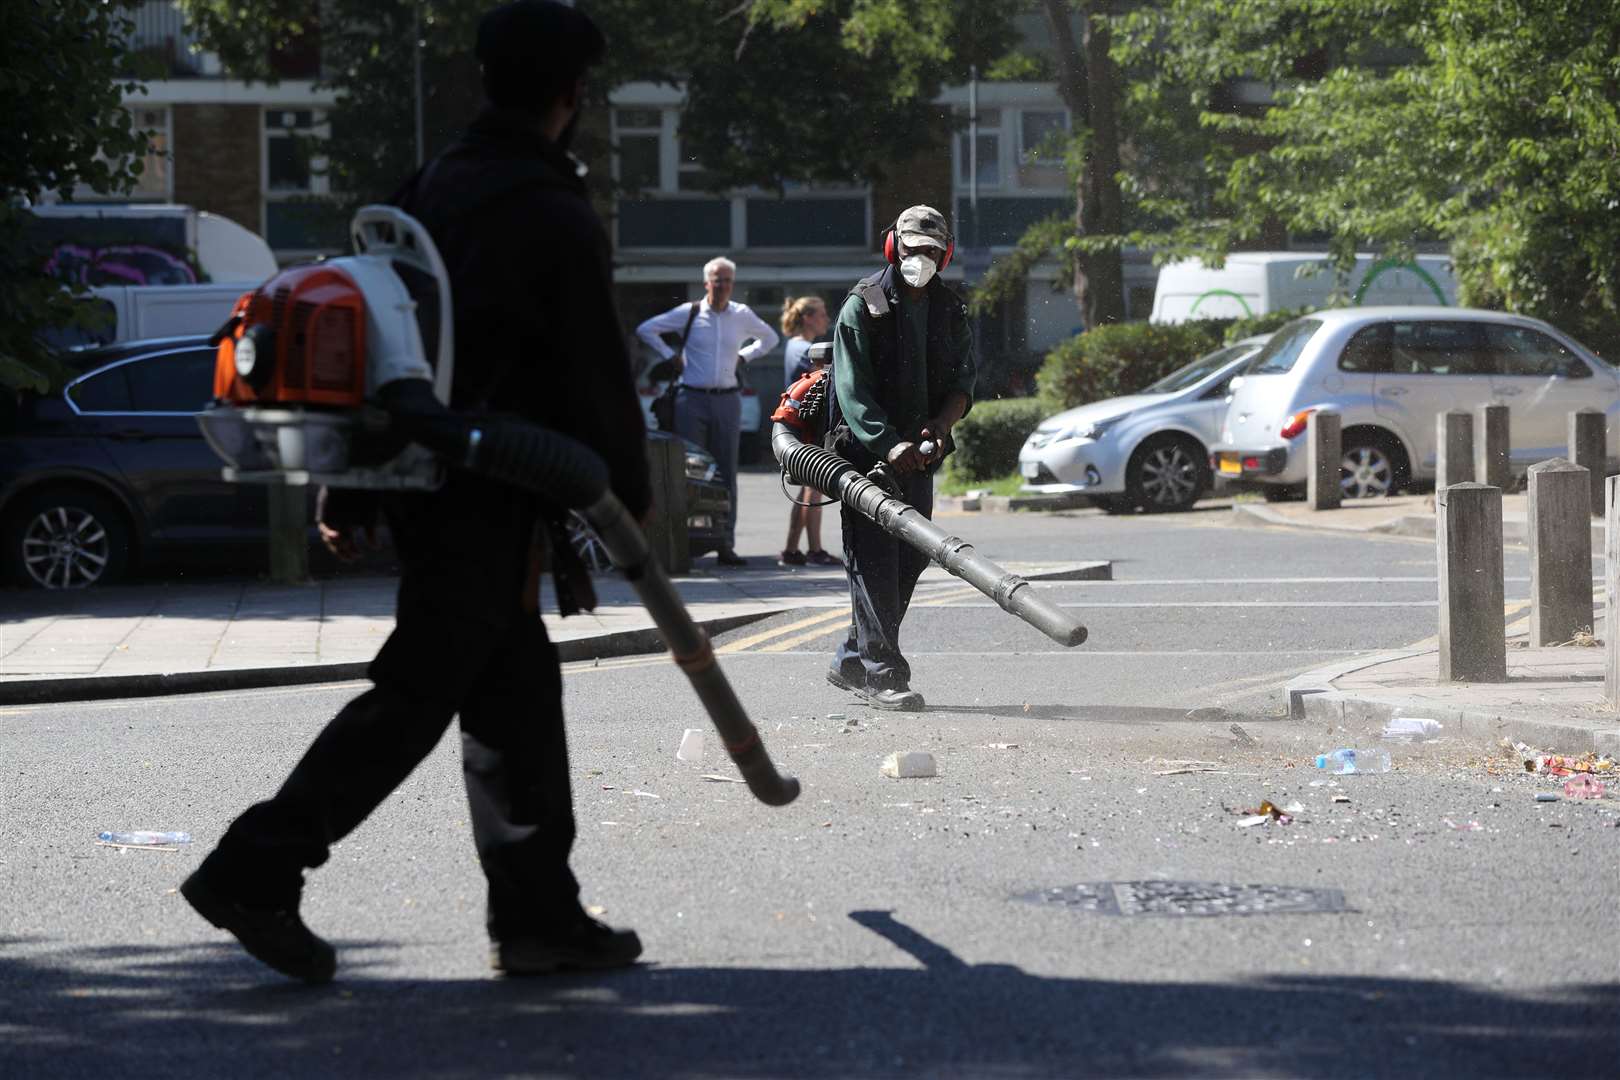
(1174, 898)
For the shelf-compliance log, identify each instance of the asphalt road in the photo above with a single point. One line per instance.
(876, 927)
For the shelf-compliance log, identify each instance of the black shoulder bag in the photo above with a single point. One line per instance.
(663, 406)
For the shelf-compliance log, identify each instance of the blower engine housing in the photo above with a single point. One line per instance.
(303, 358)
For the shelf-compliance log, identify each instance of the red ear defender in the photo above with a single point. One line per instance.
(889, 253)
(950, 249)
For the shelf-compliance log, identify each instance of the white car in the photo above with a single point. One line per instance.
(1389, 372)
(1146, 450)
(750, 424)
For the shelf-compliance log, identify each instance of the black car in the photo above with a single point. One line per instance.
(112, 470)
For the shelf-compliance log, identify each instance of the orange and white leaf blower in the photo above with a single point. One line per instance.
(339, 373)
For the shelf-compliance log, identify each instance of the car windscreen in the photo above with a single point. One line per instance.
(1196, 371)
(1279, 354)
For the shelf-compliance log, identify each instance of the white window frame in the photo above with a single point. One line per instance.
(319, 182)
(961, 181)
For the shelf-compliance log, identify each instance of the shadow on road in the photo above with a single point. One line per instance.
(139, 1011)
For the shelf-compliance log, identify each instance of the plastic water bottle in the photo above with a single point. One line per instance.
(144, 839)
(1341, 762)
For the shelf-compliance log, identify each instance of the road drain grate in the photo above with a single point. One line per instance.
(1166, 899)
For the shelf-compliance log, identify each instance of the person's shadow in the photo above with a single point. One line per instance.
(212, 1012)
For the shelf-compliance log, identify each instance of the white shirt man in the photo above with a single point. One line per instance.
(708, 408)
(715, 344)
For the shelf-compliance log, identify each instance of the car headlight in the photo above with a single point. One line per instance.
(700, 465)
(1090, 429)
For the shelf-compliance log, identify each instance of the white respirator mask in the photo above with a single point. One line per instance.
(917, 270)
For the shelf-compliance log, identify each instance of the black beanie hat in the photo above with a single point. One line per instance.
(533, 50)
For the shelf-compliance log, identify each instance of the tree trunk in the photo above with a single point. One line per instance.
(1087, 81)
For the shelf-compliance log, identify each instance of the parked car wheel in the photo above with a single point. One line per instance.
(1167, 473)
(1372, 466)
(66, 538)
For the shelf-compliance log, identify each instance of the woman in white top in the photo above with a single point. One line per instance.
(803, 321)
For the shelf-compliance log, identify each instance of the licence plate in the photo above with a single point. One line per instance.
(1030, 469)
(1231, 466)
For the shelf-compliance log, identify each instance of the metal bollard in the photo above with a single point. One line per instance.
(1454, 442)
(289, 532)
(1492, 463)
(1560, 552)
(1468, 542)
(1324, 457)
(1588, 439)
(1611, 603)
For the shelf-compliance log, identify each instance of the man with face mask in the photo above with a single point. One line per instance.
(903, 371)
(537, 336)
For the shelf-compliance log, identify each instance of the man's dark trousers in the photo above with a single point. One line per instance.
(463, 645)
(714, 421)
(882, 572)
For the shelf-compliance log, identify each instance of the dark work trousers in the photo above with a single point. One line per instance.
(462, 645)
(713, 421)
(882, 572)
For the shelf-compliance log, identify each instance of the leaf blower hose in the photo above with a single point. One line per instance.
(571, 474)
(836, 478)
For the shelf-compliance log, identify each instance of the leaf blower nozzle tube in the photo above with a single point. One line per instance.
(838, 479)
(571, 474)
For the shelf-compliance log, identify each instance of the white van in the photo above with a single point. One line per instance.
(1259, 282)
(158, 244)
(117, 313)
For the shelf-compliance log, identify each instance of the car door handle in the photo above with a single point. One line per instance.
(1393, 391)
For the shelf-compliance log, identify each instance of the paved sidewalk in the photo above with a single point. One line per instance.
(150, 639)
(1399, 515)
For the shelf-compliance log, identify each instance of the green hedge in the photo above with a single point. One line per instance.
(1121, 358)
(988, 438)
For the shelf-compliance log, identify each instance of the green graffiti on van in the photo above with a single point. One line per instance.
(1220, 292)
(1396, 264)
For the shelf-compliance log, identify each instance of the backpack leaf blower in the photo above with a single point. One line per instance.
(339, 373)
(801, 420)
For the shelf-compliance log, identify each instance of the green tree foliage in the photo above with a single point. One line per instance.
(61, 93)
(1110, 361)
(1493, 125)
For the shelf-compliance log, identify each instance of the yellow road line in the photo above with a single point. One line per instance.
(751, 640)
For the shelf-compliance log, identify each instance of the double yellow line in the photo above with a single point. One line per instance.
(804, 631)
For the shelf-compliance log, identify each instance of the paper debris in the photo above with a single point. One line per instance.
(716, 778)
(691, 745)
(909, 765)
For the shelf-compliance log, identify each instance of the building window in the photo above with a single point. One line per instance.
(989, 159)
(297, 217)
(156, 182)
(1041, 148)
(638, 140)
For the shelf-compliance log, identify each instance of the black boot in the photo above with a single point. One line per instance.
(275, 935)
(583, 944)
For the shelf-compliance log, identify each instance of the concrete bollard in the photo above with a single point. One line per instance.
(1323, 460)
(289, 532)
(1492, 464)
(1588, 439)
(667, 530)
(1560, 552)
(1454, 440)
(1611, 603)
(1468, 542)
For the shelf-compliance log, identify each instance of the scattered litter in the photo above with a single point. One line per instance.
(1252, 820)
(645, 795)
(1243, 737)
(716, 778)
(167, 840)
(1472, 826)
(691, 746)
(1584, 787)
(1266, 811)
(1345, 761)
(1407, 728)
(1295, 807)
(1341, 798)
(1000, 746)
(908, 764)
(1546, 796)
(596, 910)
(1183, 766)
(835, 716)
(1559, 765)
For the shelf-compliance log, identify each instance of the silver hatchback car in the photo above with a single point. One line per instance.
(1389, 372)
(1149, 449)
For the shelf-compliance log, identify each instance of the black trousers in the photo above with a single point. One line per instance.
(882, 573)
(459, 647)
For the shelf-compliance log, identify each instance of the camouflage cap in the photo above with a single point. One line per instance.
(923, 226)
